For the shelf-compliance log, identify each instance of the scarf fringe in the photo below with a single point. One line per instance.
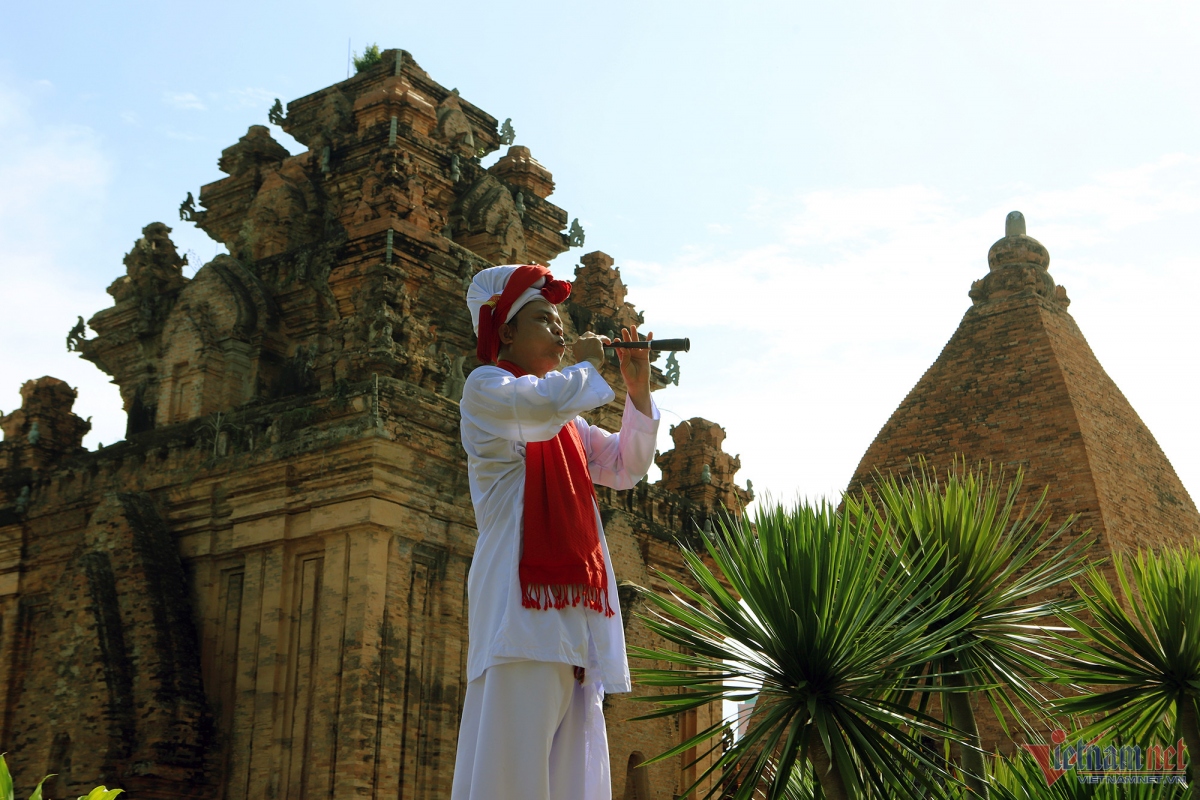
(544, 597)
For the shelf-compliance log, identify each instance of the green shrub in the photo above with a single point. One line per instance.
(6, 787)
(369, 58)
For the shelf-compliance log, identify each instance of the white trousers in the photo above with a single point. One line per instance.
(530, 731)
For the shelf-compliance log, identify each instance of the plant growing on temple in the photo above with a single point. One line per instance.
(1001, 565)
(369, 58)
(6, 787)
(1143, 647)
(812, 608)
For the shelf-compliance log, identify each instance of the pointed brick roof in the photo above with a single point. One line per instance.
(1018, 384)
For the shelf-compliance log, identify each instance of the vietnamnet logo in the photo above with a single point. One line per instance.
(1111, 763)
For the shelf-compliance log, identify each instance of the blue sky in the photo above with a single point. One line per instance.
(807, 190)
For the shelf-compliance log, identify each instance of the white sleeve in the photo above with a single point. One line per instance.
(529, 409)
(620, 460)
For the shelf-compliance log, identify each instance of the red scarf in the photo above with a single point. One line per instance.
(562, 562)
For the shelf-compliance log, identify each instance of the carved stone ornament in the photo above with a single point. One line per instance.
(77, 336)
(575, 235)
(507, 134)
(453, 128)
(276, 116)
(187, 210)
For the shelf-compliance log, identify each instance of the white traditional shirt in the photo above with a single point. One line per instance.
(500, 413)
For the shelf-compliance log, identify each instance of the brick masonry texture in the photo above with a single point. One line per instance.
(1018, 386)
(261, 591)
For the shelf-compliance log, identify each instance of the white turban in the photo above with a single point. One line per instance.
(489, 283)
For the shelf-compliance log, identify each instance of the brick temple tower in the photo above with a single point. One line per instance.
(261, 591)
(1018, 385)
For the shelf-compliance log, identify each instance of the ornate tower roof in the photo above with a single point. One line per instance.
(346, 261)
(1018, 384)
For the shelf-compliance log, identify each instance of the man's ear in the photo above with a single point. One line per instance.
(506, 334)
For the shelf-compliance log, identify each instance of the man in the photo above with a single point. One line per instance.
(545, 634)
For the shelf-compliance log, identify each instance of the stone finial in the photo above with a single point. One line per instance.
(1014, 224)
(44, 428)
(699, 467)
(254, 150)
(598, 288)
(598, 285)
(153, 267)
(1017, 248)
(1018, 266)
(520, 169)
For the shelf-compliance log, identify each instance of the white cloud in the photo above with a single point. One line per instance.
(53, 181)
(249, 97)
(185, 101)
(41, 168)
(1120, 200)
(804, 345)
(178, 135)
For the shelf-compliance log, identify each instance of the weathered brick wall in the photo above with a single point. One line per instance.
(1018, 385)
(104, 681)
(996, 394)
(326, 573)
(1142, 501)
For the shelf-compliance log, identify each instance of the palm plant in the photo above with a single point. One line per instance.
(801, 785)
(1002, 565)
(1142, 648)
(812, 608)
(1018, 777)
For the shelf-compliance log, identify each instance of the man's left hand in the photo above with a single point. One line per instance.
(635, 369)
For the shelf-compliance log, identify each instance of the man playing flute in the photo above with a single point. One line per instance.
(545, 634)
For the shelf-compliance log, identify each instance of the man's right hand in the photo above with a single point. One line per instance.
(589, 347)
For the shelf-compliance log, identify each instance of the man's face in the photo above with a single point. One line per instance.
(534, 339)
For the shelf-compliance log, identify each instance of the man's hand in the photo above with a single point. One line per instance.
(589, 347)
(635, 369)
